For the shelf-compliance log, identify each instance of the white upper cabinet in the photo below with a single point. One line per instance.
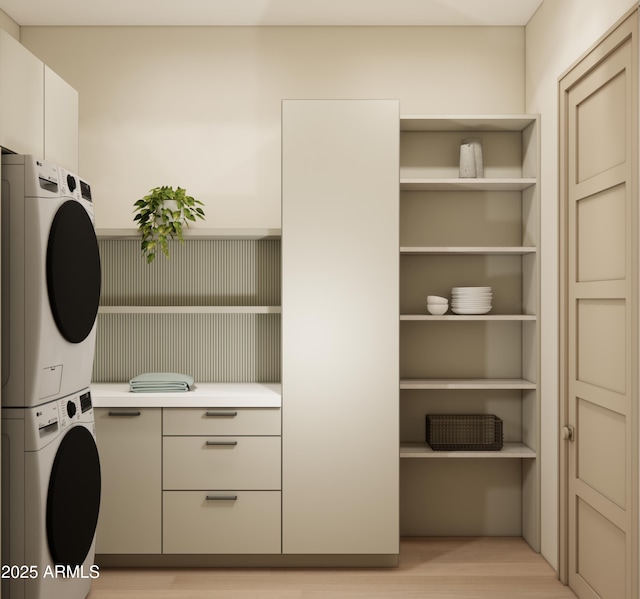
(21, 98)
(60, 121)
(38, 109)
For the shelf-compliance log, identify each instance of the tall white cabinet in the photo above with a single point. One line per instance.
(340, 327)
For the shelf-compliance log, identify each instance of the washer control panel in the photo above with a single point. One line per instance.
(47, 419)
(44, 423)
(69, 409)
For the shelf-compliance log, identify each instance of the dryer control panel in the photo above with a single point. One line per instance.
(69, 186)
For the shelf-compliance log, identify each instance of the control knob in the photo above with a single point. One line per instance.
(71, 182)
(71, 409)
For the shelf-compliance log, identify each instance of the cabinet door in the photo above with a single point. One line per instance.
(130, 449)
(60, 121)
(340, 327)
(21, 98)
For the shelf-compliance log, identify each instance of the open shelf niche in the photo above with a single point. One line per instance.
(470, 232)
(212, 310)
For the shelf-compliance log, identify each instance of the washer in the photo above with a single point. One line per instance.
(50, 499)
(50, 282)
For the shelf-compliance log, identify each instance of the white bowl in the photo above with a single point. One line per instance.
(437, 309)
(436, 299)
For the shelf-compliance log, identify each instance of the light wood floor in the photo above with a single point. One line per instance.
(491, 568)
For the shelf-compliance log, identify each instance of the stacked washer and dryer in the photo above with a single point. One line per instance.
(50, 466)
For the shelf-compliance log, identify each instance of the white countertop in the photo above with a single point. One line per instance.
(205, 395)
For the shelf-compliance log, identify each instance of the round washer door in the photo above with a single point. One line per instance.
(73, 499)
(73, 272)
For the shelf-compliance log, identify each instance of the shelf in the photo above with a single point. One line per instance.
(455, 317)
(516, 250)
(508, 451)
(189, 310)
(488, 122)
(476, 184)
(466, 384)
(198, 233)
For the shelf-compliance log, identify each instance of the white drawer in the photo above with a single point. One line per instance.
(221, 463)
(221, 421)
(229, 522)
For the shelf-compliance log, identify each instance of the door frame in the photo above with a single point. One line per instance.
(601, 49)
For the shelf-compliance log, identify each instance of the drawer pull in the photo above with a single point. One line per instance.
(123, 413)
(221, 443)
(222, 497)
(222, 414)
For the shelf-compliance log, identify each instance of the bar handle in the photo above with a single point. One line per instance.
(221, 414)
(221, 443)
(222, 497)
(124, 413)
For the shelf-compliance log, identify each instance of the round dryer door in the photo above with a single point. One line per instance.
(73, 272)
(73, 499)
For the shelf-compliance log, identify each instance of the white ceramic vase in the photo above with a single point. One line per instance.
(471, 161)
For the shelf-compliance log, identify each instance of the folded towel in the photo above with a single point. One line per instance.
(159, 382)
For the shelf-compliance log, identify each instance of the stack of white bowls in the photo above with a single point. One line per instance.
(437, 305)
(471, 300)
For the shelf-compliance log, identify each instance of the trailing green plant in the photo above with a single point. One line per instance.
(158, 220)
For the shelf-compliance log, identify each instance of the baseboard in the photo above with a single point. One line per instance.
(246, 561)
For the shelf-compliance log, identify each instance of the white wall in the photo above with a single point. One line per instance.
(558, 34)
(200, 107)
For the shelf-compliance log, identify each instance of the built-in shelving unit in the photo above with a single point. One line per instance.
(470, 232)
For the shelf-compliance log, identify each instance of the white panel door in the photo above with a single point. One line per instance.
(340, 326)
(599, 239)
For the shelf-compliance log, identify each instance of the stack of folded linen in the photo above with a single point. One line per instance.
(160, 382)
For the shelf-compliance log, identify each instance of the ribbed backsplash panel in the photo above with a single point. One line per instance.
(202, 272)
(210, 347)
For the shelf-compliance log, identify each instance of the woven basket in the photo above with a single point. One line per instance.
(464, 432)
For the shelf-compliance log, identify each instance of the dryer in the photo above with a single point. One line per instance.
(50, 499)
(50, 282)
